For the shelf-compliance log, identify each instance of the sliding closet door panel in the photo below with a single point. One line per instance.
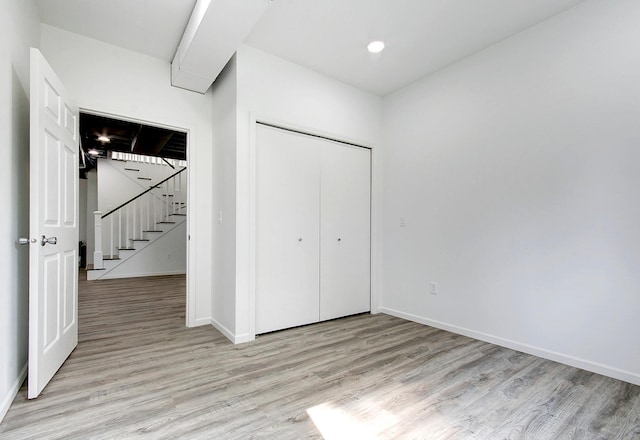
(345, 247)
(287, 229)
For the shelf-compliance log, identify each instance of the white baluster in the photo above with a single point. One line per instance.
(126, 223)
(159, 207)
(119, 228)
(111, 252)
(141, 222)
(183, 197)
(147, 204)
(173, 199)
(134, 228)
(153, 207)
(136, 218)
(166, 202)
(97, 253)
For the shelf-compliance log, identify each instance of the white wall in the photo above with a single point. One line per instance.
(166, 255)
(19, 29)
(224, 173)
(119, 82)
(517, 171)
(116, 185)
(275, 90)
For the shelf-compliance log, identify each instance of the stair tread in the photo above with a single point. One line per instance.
(178, 214)
(144, 178)
(155, 230)
(111, 258)
(166, 223)
(139, 239)
(126, 249)
(132, 169)
(104, 268)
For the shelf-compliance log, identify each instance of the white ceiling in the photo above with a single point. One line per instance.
(421, 36)
(328, 36)
(152, 27)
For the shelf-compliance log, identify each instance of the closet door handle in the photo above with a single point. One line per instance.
(300, 239)
(339, 239)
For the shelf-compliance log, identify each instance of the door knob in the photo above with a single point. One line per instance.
(51, 240)
(300, 239)
(339, 239)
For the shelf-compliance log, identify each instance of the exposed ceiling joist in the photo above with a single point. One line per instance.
(130, 137)
(214, 32)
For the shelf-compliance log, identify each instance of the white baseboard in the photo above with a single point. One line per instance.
(245, 337)
(200, 321)
(222, 329)
(584, 364)
(13, 391)
(144, 274)
(236, 339)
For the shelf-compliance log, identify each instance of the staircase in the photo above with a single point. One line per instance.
(137, 226)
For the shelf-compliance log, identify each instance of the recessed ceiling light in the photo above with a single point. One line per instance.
(375, 46)
(104, 139)
(93, 152)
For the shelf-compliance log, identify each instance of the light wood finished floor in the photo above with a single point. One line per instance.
(139, 373)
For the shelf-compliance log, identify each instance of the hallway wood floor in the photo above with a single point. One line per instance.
(139, 373)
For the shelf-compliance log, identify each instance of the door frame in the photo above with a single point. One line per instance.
(376, 213)
(190, 315)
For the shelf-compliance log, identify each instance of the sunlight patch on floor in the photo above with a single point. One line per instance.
(335, 423)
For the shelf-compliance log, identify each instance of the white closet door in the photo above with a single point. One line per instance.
(287, 229)
(345, 247)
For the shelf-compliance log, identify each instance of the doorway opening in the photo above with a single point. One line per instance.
(133, 206)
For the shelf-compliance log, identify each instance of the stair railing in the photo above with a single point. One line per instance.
(120, 227)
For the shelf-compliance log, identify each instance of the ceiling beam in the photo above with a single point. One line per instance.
(214, 32)
(134, 141)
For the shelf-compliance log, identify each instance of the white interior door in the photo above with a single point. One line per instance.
(287, 229)
(53, 225)
(345, 262)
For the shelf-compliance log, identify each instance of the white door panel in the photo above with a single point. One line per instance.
(53, 193)
(312, 229)
(287, 229)
(345, 230)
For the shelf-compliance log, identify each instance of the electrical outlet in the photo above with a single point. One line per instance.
(433, 288)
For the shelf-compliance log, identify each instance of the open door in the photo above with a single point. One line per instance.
(53, 225)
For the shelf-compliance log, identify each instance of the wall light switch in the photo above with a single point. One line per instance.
(403, 222)
(433, 288)
(220, 217)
